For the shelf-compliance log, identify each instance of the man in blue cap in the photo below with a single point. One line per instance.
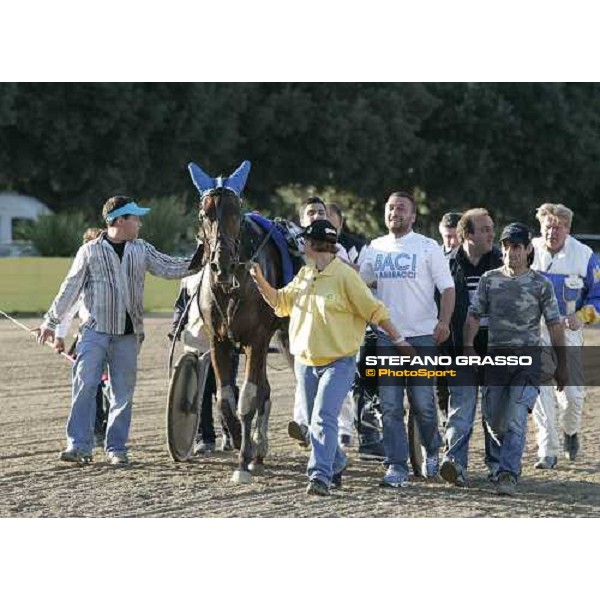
(108, 274)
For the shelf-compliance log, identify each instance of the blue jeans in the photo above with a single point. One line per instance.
(462, 405)
(94, 350)
(422, 401)
(324, 389)
(505, 410)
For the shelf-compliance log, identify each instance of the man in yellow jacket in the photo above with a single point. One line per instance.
(329, 306)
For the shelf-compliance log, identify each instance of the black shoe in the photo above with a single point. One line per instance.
(492, 477)
(336, 480)
(74, 455)
(546, 462)
(317, 488)
(298, 432)
(507, 484)
(571, 446)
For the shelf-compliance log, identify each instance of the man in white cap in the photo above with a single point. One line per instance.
(108, 275)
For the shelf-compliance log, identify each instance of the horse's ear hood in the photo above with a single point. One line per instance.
(237, 180)
(201, 180)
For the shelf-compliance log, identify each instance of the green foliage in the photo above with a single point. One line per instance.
(55, 235)
(507, 146)
(512, 146)
(368, 223)
(169, 226)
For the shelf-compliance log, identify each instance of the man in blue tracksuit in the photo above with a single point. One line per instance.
(574, 271)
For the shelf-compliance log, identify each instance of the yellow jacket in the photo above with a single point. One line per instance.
(328, 312)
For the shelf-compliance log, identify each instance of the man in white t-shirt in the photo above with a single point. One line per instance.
(407, 268)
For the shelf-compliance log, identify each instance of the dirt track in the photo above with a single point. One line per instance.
(34, 401)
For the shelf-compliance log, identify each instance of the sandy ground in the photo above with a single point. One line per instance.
(34, 402)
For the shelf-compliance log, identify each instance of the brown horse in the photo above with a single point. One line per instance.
(235, 313)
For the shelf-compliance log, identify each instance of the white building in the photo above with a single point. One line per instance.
(15, 208)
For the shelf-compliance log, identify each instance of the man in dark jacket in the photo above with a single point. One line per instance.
(475, 255)
(447, 229)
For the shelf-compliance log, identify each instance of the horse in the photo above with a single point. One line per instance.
(234, 312)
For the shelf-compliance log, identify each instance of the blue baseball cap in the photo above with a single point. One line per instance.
(131, 208)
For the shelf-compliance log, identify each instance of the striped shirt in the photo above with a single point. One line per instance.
(111, 288)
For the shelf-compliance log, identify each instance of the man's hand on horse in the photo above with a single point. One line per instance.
(255, 271)
(43, 334)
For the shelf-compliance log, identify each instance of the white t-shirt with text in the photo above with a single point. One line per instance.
(407, 271)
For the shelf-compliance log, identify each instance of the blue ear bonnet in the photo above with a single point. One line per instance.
(205, 183)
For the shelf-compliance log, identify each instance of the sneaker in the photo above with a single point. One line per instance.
(394, 478)
(571, 446)
(299, 432)
(202, 447)
(336, 480)
(226, 443)
(432, 467)
(507, 484)
(546, 462)
(75, 455)
(450, 472)
(317, 488)
(345, 440)
(117, 458)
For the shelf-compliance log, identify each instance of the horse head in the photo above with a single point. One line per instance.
(221, 222)
(220, 216)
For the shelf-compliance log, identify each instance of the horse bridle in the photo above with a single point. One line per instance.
(232, 246)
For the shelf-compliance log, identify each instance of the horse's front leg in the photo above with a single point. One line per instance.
(246, 410)
(260, 437)
(221, 355)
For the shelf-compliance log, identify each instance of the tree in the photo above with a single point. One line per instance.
(508, 146)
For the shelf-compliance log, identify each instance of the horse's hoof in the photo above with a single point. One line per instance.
(241, 477)
(257, 468)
